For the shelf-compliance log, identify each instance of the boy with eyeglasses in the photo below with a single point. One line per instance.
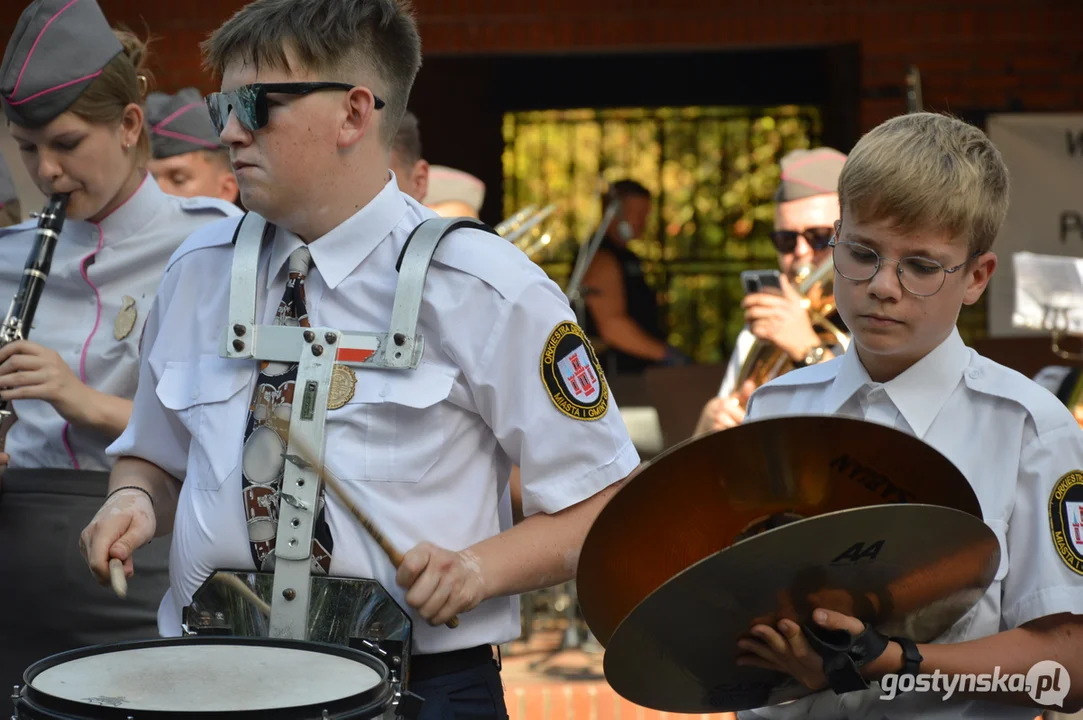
(922, 198)
(807, 206)
(312, 96)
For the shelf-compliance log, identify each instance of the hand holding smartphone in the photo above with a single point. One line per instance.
(760, 281)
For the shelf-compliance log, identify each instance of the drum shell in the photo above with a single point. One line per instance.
(33, 704)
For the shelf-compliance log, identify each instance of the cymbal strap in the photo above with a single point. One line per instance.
(844, 654)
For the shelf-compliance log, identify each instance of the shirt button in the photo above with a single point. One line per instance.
(384, 391)
(973, 373)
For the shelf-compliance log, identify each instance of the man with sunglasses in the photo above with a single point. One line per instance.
(312, 96)
(806, 210)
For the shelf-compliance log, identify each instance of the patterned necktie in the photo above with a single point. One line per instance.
(266, 436)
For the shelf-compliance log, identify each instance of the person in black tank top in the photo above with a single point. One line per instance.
(622, 315)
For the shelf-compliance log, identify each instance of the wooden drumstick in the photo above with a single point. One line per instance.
(117, 578)
(246, 592)
(305, 459)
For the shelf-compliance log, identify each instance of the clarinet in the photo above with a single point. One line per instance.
(20, 316)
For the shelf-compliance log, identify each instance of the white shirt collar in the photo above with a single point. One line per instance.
(145, 206)
(339, 252)
(919, 393)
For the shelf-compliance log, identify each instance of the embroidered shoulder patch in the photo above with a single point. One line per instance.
(1066, 519)
(571, 374)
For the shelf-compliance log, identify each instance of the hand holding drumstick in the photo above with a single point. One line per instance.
(439, 582)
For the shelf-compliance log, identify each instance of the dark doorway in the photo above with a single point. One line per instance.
(461, 100)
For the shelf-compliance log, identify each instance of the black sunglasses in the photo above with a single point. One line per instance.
(817, 237)
(250, 101)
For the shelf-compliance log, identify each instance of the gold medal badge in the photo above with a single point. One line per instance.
(343, 382)
(122, 326)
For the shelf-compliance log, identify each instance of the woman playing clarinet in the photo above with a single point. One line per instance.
(72, 91)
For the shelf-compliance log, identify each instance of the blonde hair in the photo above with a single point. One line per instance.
(926, 171)
(124, 80)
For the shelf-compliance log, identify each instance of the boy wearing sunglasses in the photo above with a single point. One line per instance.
(923, 196)
(312, 96)
(807, 206)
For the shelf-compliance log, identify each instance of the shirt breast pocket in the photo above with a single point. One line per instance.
(394, 427)
(206, 397)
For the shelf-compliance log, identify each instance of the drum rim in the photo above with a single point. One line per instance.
(364, 704)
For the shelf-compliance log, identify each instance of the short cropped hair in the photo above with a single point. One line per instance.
(624, 189)
(408, 140)
(330, 37)
(926, 171)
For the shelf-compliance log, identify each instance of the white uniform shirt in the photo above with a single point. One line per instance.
(426, 452)
(95, 267)
(1011, 439)
(742, 346)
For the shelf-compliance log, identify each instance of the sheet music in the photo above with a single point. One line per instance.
(1048, 292)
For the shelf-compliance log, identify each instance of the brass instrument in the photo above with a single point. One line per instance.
(765, 360)
(524, 230)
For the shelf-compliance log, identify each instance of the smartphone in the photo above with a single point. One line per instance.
(757, 281)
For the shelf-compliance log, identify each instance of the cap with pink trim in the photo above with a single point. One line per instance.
(809, 172)
(180, 124)
(57, 49)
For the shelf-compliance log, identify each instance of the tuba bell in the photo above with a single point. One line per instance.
(765, 360)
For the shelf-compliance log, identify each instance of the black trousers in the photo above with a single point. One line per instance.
(51, 603)
(472, 694)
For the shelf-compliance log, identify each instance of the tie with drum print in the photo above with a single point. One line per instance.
(266, 436)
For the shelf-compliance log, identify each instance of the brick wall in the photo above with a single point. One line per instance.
(973, 54)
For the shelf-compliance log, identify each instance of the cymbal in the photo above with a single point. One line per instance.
(705, 494)
(907, 569)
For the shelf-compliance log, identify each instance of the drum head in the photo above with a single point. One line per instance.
(209, 678)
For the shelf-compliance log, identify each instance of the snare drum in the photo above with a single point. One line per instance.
(208, 678)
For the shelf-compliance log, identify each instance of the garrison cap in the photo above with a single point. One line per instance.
(57, 49)
(809, 172)
(180, 124)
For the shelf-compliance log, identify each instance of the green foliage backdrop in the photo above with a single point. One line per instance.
(712, 171)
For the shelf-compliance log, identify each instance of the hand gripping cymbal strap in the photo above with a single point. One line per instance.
(844, 654)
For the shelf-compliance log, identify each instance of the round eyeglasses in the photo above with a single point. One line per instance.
(919, 276)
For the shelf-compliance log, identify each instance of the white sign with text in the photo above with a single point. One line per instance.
(1044, 155)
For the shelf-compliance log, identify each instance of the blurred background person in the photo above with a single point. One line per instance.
(622, 309)
(407, 162)
(454, 193)
(807, 206)
(188, 158)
